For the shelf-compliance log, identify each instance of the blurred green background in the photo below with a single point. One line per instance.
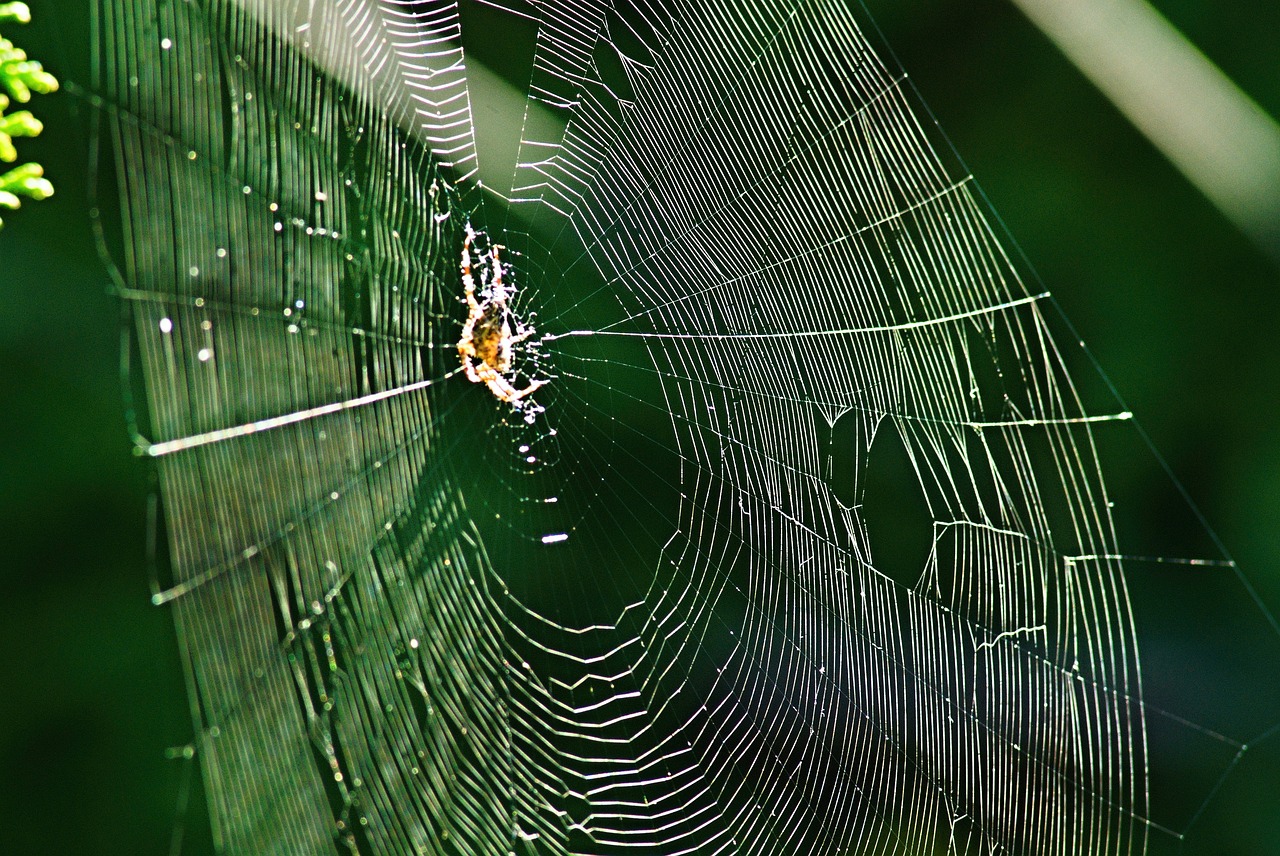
(1179, 308)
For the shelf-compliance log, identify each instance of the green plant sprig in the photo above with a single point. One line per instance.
(20, 77)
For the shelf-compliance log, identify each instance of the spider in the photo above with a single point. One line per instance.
(487, 343)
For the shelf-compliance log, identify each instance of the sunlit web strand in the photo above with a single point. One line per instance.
(842, 405)
(168, 447)
(804, 334)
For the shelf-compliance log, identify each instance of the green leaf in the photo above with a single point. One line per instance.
(15, 13)
(20, 77)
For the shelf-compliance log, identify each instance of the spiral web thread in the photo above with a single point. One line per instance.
(654, 617)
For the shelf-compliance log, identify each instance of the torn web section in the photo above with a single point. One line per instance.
(289, 257)
(768, 219)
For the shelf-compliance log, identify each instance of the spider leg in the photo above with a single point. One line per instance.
(517, 395)
(504, 390)
(468, 281)
(522, 335)
(497, 268)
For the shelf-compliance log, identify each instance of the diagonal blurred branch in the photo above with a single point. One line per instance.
(1222, 141)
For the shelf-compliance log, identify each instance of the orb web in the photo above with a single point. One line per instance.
(808, 549)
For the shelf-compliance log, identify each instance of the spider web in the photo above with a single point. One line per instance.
(805, 547)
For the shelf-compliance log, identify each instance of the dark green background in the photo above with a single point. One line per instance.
(1180, 310)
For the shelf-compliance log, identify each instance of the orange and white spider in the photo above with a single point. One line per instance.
(487, 344)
